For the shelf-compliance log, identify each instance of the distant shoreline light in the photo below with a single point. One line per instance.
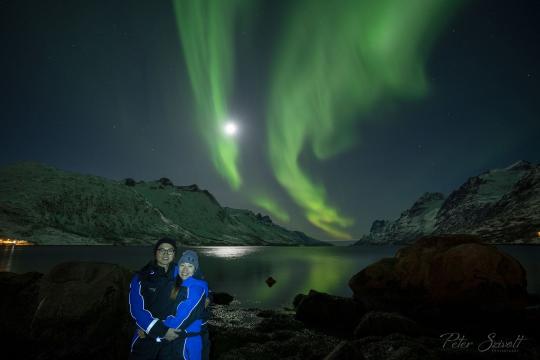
(15, 242)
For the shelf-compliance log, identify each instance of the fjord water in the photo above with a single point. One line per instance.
(242, 270)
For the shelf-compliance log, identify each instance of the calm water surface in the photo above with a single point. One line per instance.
(242, 271)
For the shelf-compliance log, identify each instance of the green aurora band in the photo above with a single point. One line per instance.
(336, 61)
(270, 205)
(206, 29)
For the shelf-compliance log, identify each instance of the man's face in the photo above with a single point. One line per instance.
(165, 255)
(186, 270)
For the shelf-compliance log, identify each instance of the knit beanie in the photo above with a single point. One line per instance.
(165, 241)
(189, 256)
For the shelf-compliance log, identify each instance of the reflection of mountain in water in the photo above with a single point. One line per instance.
(501, 206)
(48, 206)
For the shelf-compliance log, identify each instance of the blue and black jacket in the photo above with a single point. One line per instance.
(149, 295)
(189, 313)
(149, 300)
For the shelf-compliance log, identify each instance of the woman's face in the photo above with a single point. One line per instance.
(186, 270)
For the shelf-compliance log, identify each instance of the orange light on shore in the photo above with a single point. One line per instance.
(15, 242)
(538, 234)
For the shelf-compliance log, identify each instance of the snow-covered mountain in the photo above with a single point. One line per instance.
(412, 223)
(44, 205)
(500, 206)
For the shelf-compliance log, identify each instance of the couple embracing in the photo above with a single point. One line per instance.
(168, 303)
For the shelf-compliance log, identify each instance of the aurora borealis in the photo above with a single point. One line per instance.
(347, 111)
(206, 30)
(353, 56)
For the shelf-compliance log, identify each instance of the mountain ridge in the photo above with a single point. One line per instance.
(44, 205)
(501, 206)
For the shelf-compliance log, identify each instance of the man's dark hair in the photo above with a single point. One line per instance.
(165, 241)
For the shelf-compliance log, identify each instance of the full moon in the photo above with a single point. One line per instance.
(230, 128)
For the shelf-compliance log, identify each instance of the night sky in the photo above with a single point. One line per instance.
(347, 111)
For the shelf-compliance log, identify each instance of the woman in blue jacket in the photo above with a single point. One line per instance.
(189, 320)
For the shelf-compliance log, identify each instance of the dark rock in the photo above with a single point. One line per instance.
(301, 346)
(402, 347)
(270, 281)
(345, 351)
(267, 334)
(281, 345)
(225, 339)
(266, 313)
(263, 218)
(298, 299)
(378, 226)
(534, 299)
(331, 313)
(222, 298)
(378, 323)
(18, 302)
(165, 182)
(448, 271)
(192, 187)
(278, 322)
(529, 322)
(395, 347)
(87, 302)
(377, 287)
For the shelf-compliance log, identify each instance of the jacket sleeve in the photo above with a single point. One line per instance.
(187, 311)
(143, 317)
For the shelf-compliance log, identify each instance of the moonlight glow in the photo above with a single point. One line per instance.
(230, 128)
(206, 29)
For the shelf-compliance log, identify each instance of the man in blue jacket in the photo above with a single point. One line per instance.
(149, 302)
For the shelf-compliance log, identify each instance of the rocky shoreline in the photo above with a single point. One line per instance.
(442, 298)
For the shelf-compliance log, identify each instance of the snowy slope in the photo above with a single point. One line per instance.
(47, 206)
(470, 205)
(501, 206)
(417, 221)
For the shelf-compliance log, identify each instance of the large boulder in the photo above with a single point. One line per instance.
(448, 271)
(332, 313)
(18, 301)
(83, 312)
(392, 347)
(345, 351)
(380, 323)
(222, 298)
